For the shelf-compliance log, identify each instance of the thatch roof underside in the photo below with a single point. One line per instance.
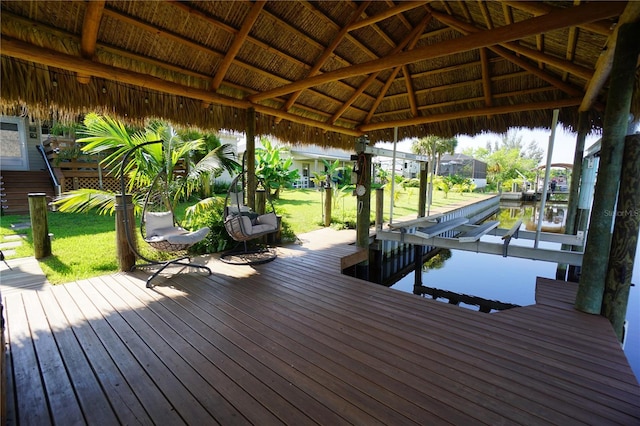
(321, 72)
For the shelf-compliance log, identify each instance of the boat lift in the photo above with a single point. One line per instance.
(427, 231)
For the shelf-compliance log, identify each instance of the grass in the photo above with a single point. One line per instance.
(84, 246)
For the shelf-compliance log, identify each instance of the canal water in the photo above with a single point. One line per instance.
(512, 280)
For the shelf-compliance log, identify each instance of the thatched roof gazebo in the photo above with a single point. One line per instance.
(314, 72)
(329, 72)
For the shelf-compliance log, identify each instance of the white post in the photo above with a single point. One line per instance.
(393, 174)
(547, 171)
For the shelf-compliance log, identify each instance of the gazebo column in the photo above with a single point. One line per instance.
(250, 158)
(364, 199)
(576, 173)
(625, 238)
(594, 263)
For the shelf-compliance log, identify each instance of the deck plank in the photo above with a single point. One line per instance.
(31, 400)
(474, 349)
(122, 398)
(294, 341)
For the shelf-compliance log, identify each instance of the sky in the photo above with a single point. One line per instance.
(563, 147)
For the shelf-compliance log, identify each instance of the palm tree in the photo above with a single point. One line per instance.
(110, 137)
(435, 147)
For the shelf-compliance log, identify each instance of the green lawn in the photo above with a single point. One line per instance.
(84, 244)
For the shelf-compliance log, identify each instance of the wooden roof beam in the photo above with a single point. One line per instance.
(486, 77)
(410, 42)
(187, 42)
(467, 113)
(554, 20)
(605, 61)
(400, 16)
(562, 64)
(328, 51)
(411, 95)
(402, 7)
(28, 52)
(237, 43)
(418, 30)
(90, 28)
(466, 102)
(538, 8)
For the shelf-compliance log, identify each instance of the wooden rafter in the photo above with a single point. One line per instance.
(538, 8)
(486, 77)
(400, 16)
(465, 11)
(237, 43)
(64, 35)
(507, 12)
(409, 42)
(468, 103)
(562, 64)
(554, 20)
(402, 7)
(469, 29)
(417, 31)
(90, 27)
(495, 110)
(198, 47)
(31, 53)
(408, 83)
(326, 54)
(364, 49)
(485, 13)
(540, 46)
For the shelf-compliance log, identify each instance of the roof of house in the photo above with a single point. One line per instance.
(323, 72)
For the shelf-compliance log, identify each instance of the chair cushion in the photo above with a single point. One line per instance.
(188, 237)
(157, 221)
(269, 219)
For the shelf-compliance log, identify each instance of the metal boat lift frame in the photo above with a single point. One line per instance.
(417, 232)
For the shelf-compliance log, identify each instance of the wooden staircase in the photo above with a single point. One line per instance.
(16, 185)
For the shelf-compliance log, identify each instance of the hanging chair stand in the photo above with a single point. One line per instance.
(174, 238)
(244, 225)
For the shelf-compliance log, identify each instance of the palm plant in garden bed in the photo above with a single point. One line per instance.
(174, 157)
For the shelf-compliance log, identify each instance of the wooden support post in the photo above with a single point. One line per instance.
(261, 201)
(625, 238)
(623, 76)
(126, 255)
(327, 206)
(39, 224)
(576, 173)
(250, 158)
(379, 208)
(364, 203)
(422, 195)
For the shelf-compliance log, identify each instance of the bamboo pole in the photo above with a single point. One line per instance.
(327, 206)
(250, 158)
(379, 208)
(39, 224)
(126, 254)
(594, 270)
(422, 195)
(625, 238)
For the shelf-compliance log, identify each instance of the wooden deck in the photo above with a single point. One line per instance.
(294, 341)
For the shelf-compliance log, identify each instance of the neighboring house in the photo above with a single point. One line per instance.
(465, 166)
(306, 159)
(452, 164)
(22, 168)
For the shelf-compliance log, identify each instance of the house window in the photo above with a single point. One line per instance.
(13, 144)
